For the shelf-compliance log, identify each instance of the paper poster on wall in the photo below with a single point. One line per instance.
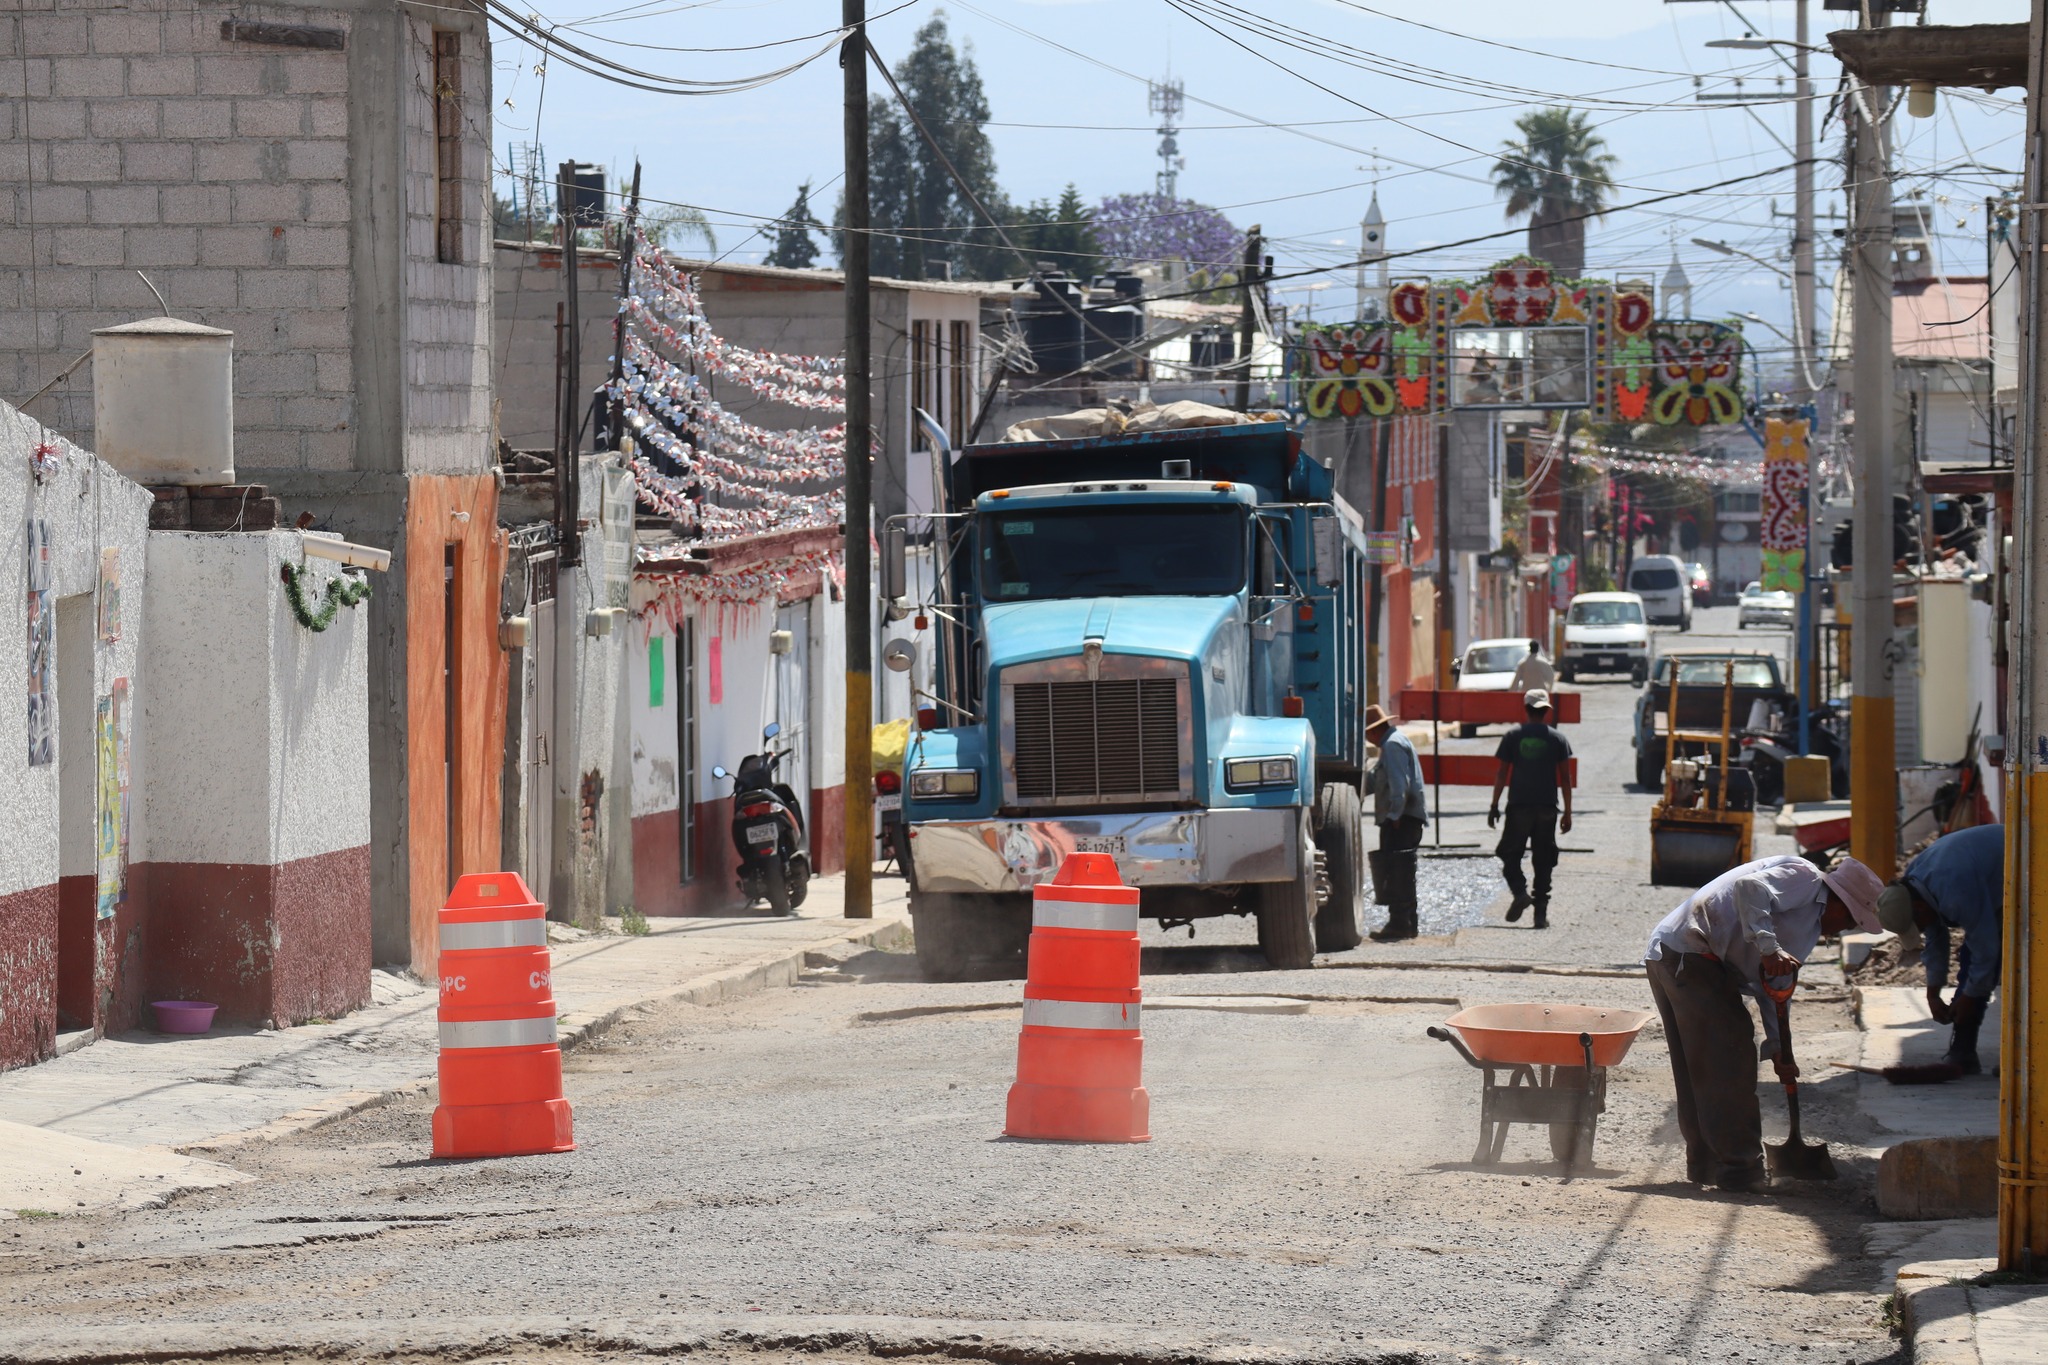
(112, 735)
(657, 679)
(714, 669)
(110, 594)
(42, 687)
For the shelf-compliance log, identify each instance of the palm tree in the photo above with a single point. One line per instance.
(1559, 173)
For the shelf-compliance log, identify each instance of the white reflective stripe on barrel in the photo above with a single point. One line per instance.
(494, 933)
(499, 1033)
(1080, 1014)
(1047, 913)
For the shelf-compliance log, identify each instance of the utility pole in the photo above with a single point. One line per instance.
(1376, 571)
(2023, 1091)
(860, 639)
(563, 759)
(1247, 321)
(1873, 774)
(1803, 325)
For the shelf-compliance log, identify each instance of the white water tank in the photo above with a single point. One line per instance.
(163, 401)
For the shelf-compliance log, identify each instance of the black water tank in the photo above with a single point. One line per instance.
(1111, 337)
(1053, 330)
(1212, 348)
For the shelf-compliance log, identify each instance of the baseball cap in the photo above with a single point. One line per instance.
(1536, 699)
(1859, 889)
(1895, 910)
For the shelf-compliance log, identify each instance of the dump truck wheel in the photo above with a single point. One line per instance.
(1287, 914)
(1340, 834)
(1649, 771)
(963, 937)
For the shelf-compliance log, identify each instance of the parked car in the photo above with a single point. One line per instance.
(1766, 608)
(1488, 666)
(1662, 582)
(1702, 584)
(1605, 632)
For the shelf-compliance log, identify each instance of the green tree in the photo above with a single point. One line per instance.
(1061, 233)
(922, 220)
(1556, 171)
(795, 248)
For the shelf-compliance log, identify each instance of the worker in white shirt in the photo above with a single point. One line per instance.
(1534, 672)
(1745, 932)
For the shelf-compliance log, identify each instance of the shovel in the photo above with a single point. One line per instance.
(1794, 1157)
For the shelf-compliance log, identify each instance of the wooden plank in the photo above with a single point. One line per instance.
(1475, 770)
(1483, 708)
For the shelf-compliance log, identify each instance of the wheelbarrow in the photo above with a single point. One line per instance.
(1543, 1064)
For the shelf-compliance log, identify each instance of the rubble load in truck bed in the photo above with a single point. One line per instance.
(1130, 419)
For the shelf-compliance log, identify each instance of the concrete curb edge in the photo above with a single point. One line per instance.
(1936, 1317)
(780, 968)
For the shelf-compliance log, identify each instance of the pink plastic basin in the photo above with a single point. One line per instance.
(183, 1016)
(1547, 1035)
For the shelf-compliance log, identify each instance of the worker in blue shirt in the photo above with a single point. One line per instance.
(1401, 811)
(1957, 882)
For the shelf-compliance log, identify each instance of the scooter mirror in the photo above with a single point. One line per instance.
(717, 771)
(771, 729)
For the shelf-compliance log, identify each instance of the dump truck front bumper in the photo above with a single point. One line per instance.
(1152, 848)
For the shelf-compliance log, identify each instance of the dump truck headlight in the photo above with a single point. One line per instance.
(945, 784)
(1244, 774)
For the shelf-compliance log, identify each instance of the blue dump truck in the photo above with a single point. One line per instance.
(1151, 646)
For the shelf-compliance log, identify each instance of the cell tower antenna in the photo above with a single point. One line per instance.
(530, 185)
(1167, 99)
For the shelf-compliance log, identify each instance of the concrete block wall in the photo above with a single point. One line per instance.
(219, 169)
(237, 176)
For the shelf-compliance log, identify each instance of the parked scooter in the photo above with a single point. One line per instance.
(768, 830)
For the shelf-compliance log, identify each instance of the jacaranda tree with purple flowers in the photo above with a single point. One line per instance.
(1138, 229)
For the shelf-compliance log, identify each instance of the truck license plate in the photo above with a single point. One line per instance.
(1099, 843)
(892, 801)
(761, 834)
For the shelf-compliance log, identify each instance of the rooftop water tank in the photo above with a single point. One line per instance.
(163, 400)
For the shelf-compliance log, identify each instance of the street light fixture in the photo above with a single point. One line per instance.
(1727, 250)
(1763, 44)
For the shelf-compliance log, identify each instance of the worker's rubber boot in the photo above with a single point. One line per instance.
(1962, 1043)
(1516, 906)
(1542, 916)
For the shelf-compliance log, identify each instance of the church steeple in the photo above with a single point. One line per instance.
(1372, 250)
(1676, 286)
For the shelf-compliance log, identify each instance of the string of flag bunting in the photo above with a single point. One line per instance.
(728, 476)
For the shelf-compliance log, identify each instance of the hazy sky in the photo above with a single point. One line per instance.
(1297, 159)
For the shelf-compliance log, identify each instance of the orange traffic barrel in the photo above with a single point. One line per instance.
(501, 1064)
(1080, 1056)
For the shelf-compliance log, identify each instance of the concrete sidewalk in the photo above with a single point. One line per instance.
(1953, 1309)
(129, 1120)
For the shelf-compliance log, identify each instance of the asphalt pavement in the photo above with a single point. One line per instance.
(821, 1173)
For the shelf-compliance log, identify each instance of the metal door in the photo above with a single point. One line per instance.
(792, 704)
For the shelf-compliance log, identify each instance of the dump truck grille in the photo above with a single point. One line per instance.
(1110, 738)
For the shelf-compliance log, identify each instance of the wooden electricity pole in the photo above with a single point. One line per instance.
(1873, 771)
(860, 640)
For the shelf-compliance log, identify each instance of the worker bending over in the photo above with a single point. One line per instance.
(1758, 921)
(1957, 882)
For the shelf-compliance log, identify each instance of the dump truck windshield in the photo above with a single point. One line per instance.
(1112, 551)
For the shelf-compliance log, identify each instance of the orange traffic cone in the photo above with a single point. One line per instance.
(1080, 1056)
(501, 1067)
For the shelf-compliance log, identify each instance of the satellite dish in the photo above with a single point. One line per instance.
(898, 655)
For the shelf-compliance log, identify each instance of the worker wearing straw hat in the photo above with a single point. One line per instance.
(1400, 810)
(1755, 922)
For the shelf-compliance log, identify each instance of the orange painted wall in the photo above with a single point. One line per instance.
(431, 525)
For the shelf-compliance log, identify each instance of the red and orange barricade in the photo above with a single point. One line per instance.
(1080, 1056)
(501, 1065)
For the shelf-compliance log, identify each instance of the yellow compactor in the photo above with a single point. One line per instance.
(1700, 829)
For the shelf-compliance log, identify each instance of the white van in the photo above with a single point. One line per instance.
(1663, 584)
(1604, 632)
